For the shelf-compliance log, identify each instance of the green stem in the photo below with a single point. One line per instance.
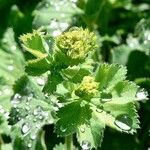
(68, 142)
(1, 140)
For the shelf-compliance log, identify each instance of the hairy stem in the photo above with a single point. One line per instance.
(68, 142)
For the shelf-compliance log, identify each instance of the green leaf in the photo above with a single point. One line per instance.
(53, 80)
(6, 147)
(12, 63)
(70, 120)
(124, 92)
(4, 127)
(120, 54)
(110, 75)
(76, 73)
(38, 66)
(59, 147)
(30, 111)
(127, 114)
(62, 147)
(92, 133)
(48, 12)
(35, 44)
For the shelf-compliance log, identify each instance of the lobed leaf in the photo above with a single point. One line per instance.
(71, 116)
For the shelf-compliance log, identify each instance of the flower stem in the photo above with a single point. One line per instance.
(68, 142)
(1, 140)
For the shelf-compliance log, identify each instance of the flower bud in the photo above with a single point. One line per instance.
(87, 88)
(76, 43)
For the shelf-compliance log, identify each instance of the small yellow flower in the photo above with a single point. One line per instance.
(76, 43)
(87, 88)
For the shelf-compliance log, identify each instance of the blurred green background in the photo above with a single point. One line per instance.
(123, 31)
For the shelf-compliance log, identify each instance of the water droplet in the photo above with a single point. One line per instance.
(25, 128)
(38, 110)
(82, 130)
(124, 122)
(142, 94)
(27, 108)
(47, 5)
(56, 33)
(15, 105)
(40, 81)
(105, 97)
(34, 120)
(16, 99)
(99, 109)
(13, 48)
(86, 145)
(38, 126)
(2, 110)
(10, 67)
(33, 136)
(74, 1)
(63, 129)
(30, 97)
(6, 114)
(9, 126)
(54, 24)
(40, 117)
(27, 103)
(56, 108)
(50, 121)
(29, 145)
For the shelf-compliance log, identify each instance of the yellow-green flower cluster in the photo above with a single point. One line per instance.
(76, 43)
(87, 88)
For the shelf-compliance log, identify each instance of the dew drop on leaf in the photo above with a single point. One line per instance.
(38, 110)
(63, 129)
(105, 97)
(40, 81)
(56, 33)
(27, 108)
(33, 136)
(29, 145)
(30, 97)
(13, 47)
(10, 67)
(124, 122)
(86, 145)
(25, 128)
(47, 5)
(82, 130)
(2, 110)
(6, 114)
(16, 99)
(34, 120)
(99, 110)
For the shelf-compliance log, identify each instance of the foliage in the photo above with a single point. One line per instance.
(68, 78)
